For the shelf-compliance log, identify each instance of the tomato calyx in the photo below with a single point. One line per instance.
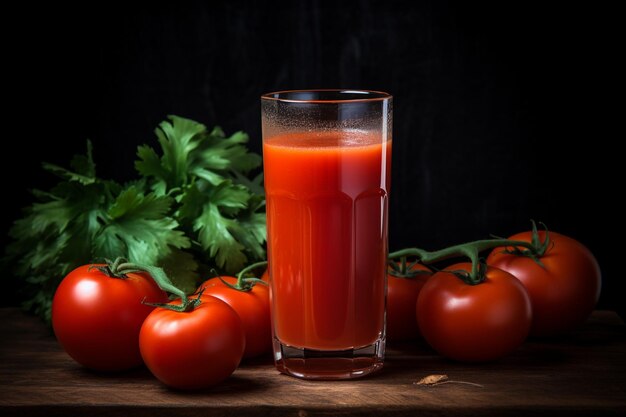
(245, 283)
(404, 269)
(110, 268)
(539, 248)
(467, 277)
(469, 250)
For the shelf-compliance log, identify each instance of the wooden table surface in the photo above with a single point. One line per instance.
(581, 374)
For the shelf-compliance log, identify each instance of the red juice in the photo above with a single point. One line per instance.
(327, 197)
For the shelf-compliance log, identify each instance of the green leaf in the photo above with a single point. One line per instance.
(222, 154)
(214, 236)
(191, 202)
(84, 168)
(255, 185)
(218, 225)
(189, 153)
(251, 231)
(180, 267)
(84, 164)
(139, 227)
(131, 204)
(178, 138)
(207, 175)
(227, 195)
(56, 232)
(217, 132)
(59, 230)
(150, 166)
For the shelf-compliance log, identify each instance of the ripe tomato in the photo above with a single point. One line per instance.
(474, 322)
(253, 307)
(266, 276)
(563, 291)
(194, 349)
(402, 295)
(97, 318)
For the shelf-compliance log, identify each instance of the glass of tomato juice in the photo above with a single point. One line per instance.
(327, 161)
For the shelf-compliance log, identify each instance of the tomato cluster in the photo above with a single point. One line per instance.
(522, 293)
(107, 321)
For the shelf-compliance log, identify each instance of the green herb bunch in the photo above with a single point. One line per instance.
(194, 207)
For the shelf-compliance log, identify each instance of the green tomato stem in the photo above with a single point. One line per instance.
(539, 248)
(120, 267)
(469, 250)
(404, 269)
(246, 284)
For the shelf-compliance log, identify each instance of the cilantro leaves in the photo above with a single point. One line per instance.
(191, 152)
(195, 205)
(202, 171)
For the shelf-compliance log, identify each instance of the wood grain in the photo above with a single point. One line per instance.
(583, 373)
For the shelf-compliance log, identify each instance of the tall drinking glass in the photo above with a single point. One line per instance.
(327, 160)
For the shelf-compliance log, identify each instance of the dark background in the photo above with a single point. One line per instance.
(501, 111)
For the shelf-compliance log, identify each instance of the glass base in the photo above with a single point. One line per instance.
(329, 364)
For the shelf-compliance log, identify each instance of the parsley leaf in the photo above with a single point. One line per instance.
(207, 173)
(196, 205)
(137, 225)
(214, 235)
(212, 212)
(190, 151)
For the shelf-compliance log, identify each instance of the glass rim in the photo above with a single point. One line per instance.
(369, 96)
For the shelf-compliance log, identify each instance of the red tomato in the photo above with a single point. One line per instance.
(474, 322)
(96, 318)
(564, 290)
(401, 298)
(194, 349)
(252, 306)
(266, 276)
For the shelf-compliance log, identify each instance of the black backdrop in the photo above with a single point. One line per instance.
(501, 110)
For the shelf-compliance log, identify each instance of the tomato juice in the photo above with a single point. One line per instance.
(327, 197)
